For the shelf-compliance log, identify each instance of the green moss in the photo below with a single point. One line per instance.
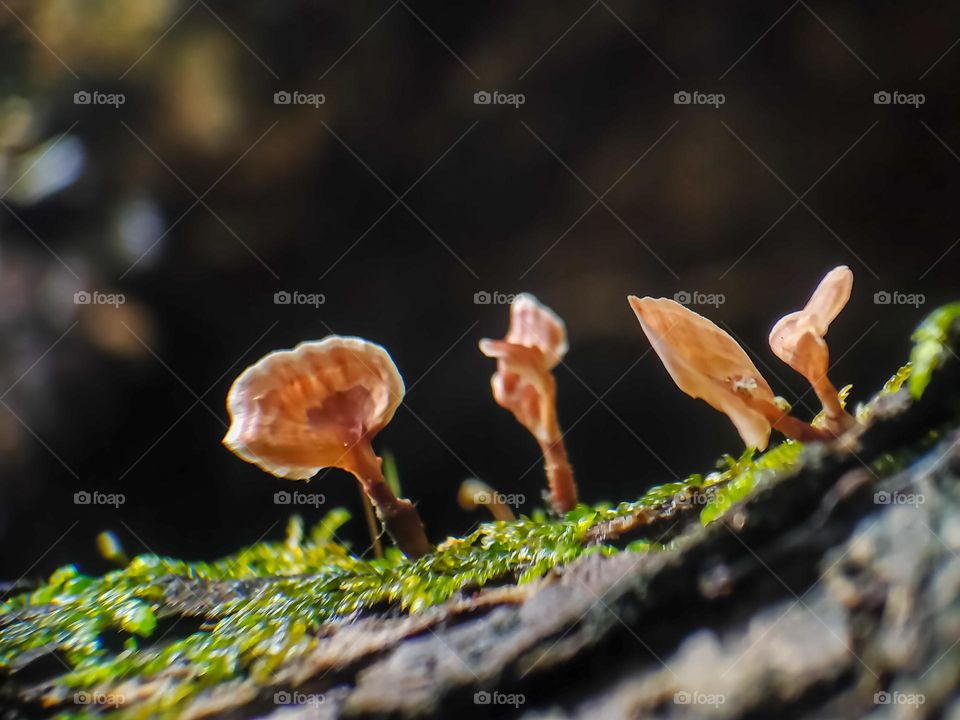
(737, 480)
(295, 585)
(261, 607)
(897, 380)
(930, 346)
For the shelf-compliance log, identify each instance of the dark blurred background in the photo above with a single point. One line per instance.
(399, 198)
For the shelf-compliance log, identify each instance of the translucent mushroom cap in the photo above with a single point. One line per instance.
(534, 325)
(797, 338)
(706, 363)
(473, 493)
(294, 412)
(535, 342)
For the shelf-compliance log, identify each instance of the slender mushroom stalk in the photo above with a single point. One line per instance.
(524, 384)
(798, 340)
(475, 493)
(295, 412)
(373, 527)
(705, 362)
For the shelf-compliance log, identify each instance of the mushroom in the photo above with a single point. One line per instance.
(523, 384)
(295, 412)
(706, 363)
(476, 493)
(797, 339)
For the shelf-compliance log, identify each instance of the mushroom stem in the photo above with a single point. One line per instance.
(799, 430)
(398, 515)
(788, 425)
(563, 489)
(500, 511)
(838, 420)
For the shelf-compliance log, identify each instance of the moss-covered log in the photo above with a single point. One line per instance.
(817, 581)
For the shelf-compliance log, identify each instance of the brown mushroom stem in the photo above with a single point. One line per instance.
(563, 489)
(799, 430)
(838, 420)
(398, 515)
(788, 425)
(500, 510)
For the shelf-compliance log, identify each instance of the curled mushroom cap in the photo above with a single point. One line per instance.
(534, 325)
(319, 405)
(706, 363)
(535, 343)
(297, 411)
(798, 340)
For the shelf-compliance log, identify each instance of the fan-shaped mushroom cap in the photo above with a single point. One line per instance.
(797, 338)
(297, 411)
(522, 384)
(535, 342)
(706, 363)
(534, 325)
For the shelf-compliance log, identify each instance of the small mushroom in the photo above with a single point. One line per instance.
(798, 340)
(706, 363)
(476, 493)
(295, 412)
(524, 384)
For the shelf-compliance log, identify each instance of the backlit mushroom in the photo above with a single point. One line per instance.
(706, 363)
(797, 339)
(295, 412)
(476, 493)
(523, 384)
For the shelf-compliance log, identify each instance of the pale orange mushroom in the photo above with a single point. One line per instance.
(706, 363)
(524, 384)
(797, 339)
(295, 412)
(475, 493)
